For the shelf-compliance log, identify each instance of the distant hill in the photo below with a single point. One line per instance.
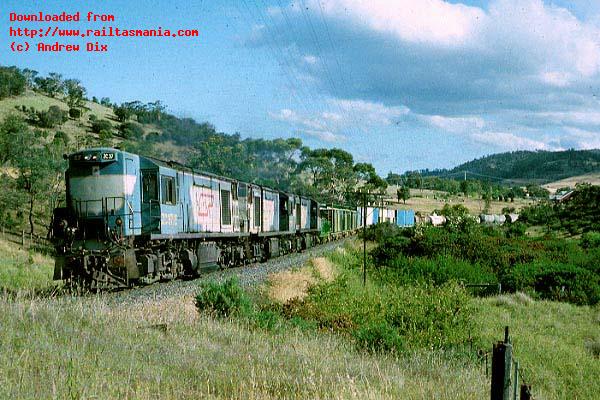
(593, 179)
(527, 166)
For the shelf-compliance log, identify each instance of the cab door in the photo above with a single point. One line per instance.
(150, 202)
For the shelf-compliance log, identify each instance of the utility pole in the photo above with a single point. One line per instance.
(364, 238)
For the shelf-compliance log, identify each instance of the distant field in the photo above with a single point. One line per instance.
(426, 201)
(594, 179)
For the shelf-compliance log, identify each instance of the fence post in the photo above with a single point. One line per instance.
(516, 381)
(501, 366)
(525, 392)
(23, 238)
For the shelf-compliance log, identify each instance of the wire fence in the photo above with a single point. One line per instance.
(27, 240)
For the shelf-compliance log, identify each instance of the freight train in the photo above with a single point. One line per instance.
(132, 220)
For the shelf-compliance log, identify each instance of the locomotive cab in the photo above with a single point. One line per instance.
(101, 216)
(103, 194)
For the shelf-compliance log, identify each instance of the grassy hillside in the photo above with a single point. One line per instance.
(593, 179)
(144, 349)
(71, 348)
(427, 201)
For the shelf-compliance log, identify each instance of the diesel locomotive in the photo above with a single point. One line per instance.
(130, 219)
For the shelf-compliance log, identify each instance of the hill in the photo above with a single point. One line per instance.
(526, 166)
(593, 179)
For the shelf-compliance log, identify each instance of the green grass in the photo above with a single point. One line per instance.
(554, 342)
(88, 348)
(23, 270)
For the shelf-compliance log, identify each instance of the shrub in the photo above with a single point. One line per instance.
(516, 230)
(101, 125)
(75, 113)
(378, 336)
(52, 117)
(438, 271)
(590, 240)
(556, 281)
(379, 232)
(223, 299)
(131, 130)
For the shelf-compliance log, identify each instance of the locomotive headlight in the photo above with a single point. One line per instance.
(119, 221)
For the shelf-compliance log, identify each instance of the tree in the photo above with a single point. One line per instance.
(40, 172)
(30, 76)
(39, 167)
(75, 93)
(52, 117)
(403, 193)
(12, 82)
(11, 135)
(122, 113)
(465, 187)
(51, 85)
(368, 176)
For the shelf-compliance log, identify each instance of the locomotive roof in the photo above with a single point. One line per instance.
(176, 165)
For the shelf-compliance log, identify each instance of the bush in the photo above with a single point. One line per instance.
(51, 118)
(223, 299)
(438, 271)
(590, 240)
(101, 125)
(131, 130)
(378, 336)
(75, 113)
(556, 281)
(516, 230)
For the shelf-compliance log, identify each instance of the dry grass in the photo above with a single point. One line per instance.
(426, 201)
(285, 286)
(594, 179)
(288, 285)
(324, 268)
(90, 348)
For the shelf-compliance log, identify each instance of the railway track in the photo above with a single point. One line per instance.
(248, 275)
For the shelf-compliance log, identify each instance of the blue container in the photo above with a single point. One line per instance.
(405, 218)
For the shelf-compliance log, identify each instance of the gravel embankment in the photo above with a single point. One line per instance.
(247, 276)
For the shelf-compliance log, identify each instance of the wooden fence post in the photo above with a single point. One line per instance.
(501, 367)
(516, 381)
(525, 392)
(23, 238)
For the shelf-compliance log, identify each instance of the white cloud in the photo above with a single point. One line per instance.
(369, 112)
(310, 59)
(422, 21)
(510, 141)
(583, 139)
(325, 136)
(455, 124)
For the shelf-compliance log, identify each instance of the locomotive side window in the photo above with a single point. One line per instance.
(225, 209)
(149, 187)
(256, 211)
(167, 186)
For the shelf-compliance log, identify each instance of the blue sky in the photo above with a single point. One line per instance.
(403, 84)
